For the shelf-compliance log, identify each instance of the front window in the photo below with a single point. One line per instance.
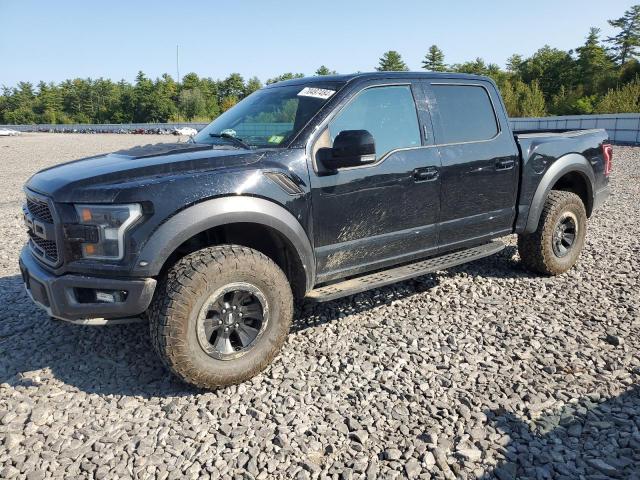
(269, 117)
(388, 113)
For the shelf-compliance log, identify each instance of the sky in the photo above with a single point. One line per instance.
(57, 40)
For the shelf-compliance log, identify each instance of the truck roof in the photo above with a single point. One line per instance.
(374, 75)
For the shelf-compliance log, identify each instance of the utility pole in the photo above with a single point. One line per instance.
(178, 63)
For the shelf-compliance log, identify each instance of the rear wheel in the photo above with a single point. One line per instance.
(220, 315)
(556, 244)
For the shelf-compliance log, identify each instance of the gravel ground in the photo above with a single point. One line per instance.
(482, 371)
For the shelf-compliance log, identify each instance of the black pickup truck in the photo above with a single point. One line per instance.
(312, 189)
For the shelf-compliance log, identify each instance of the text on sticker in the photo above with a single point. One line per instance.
(316, 92)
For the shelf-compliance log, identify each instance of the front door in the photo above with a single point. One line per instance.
(375, 215)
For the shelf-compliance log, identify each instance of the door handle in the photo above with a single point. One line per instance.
(505, 164)
(425, 174)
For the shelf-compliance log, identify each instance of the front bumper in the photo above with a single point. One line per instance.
(58, 295)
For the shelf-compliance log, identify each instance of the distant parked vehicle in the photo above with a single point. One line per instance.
(189, 131)
(7, 132)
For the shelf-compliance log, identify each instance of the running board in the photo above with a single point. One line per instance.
(398, 274)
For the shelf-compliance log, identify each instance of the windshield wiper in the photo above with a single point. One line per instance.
(236, 141)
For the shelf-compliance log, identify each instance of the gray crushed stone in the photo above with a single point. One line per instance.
(482, 371)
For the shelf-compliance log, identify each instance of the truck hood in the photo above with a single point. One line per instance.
(135, 166)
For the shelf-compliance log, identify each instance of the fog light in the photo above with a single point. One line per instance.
(90, 295)
(106, 297)
(110, 296)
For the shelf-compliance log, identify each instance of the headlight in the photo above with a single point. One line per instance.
(111, 222)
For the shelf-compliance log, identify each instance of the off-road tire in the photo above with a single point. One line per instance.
(536, 249)
(182, 292)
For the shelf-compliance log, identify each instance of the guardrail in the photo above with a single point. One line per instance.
(244, 130)
(623, 128)
(102, 127)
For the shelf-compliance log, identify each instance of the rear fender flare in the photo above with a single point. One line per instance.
(223, 211)
(570, 163)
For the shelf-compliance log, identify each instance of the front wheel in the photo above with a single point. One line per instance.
(220, 315)
(556, 244)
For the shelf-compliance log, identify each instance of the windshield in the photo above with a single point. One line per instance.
(269, 117)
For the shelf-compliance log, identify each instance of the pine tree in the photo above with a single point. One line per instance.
(625, 99)
(522, 100)
(626, 43)
(324, 70)
(531, 100)
(232, 86)
(510, 99)
(477, 67)
(551, 68)
(391, 61)
(284, 76)
(434, 60)
(192, 103)
(514, 63)
(253, 84)
(594, 65)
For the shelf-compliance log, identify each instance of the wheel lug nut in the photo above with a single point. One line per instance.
(234, 307)
(240, 314)
(219, 322)
(237, 325)
(226, 329)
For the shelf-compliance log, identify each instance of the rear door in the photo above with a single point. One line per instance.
(375, 215)
(480, 168)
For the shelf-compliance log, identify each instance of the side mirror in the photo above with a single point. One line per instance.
(350, 149)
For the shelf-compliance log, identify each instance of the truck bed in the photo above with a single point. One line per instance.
(541, 149)
(556, 132)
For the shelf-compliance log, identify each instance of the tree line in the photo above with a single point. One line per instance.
(600, 76)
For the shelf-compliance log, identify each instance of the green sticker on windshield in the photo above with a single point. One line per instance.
(276, 139)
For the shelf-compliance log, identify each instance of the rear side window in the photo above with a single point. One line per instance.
(466, 113)
(388, 113)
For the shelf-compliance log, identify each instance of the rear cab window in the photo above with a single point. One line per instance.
(466, 113)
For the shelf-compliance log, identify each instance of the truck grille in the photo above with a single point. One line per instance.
(42, 246)
(40, 210)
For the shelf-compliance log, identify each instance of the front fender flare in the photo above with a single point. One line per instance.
(572, 162)
(223, 211)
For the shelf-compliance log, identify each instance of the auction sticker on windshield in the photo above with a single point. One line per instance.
(316, 92)
(276, 139)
